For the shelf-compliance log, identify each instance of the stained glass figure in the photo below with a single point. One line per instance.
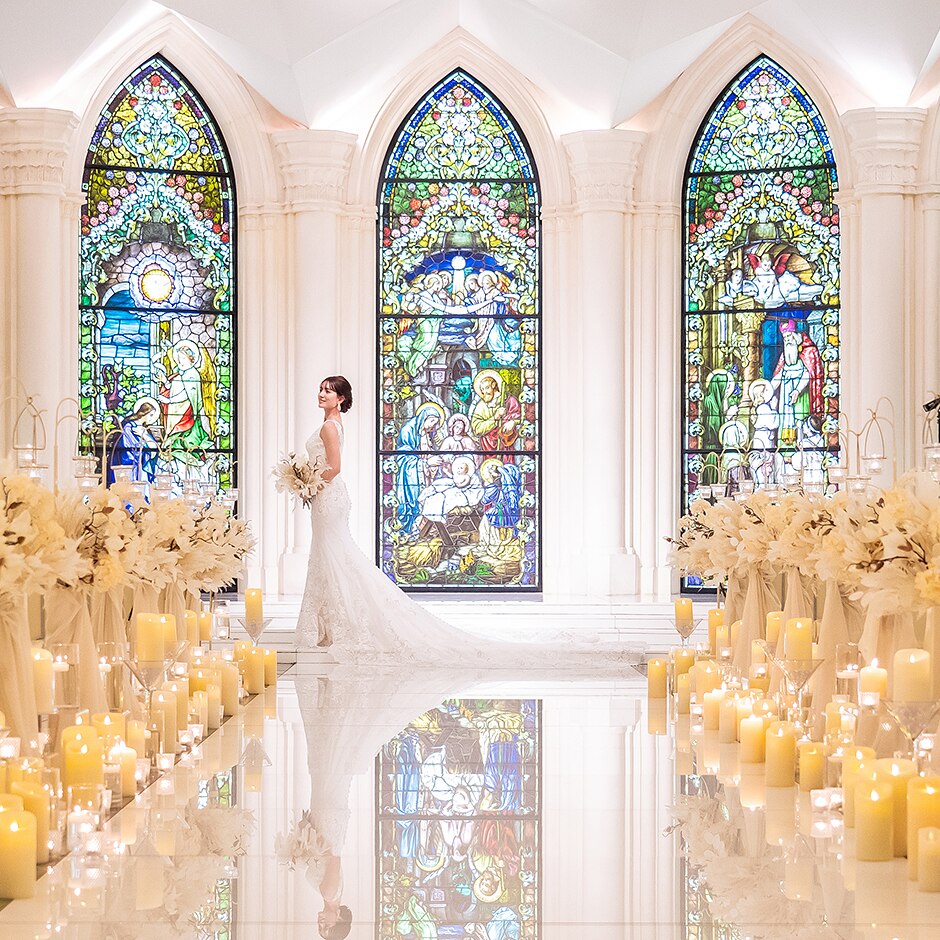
(459, 365)
(157, 306)
(761, 321)
(459, 819)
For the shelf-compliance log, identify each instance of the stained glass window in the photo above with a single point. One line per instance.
(458, 326)
(157, 292)
(459, 821)
(761, 321)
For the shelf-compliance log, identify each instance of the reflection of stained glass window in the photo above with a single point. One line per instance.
(157, 353)
(459, 819)
(761, 322)
(459, 370)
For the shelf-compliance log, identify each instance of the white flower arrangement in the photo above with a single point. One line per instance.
(300, 477)
(301, 844)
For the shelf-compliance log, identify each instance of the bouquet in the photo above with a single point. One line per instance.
(300, 477)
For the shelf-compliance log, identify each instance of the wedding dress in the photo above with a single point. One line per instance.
(350, 606)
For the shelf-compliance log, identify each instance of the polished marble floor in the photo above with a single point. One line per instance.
(526, 808)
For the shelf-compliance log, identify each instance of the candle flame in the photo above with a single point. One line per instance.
(875, 796)
(14, 827)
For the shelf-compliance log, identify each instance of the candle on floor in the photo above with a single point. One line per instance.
(136, 737)
(18, 850)
(126, 758)
(812, 766)
(923, 809)
(683, 608)
(716, 616)
(707, 678)
(682, 660)
(254, 671)
(230, 676)
(912, 679)
(82, 763)
(857, 764)
(798, 639)
(745, 710)
(928, 854)
(35, 799)
(655, 679)
(253, 608)
(180, 687)
(897, 772)
(42, 681)
(110, 725)
(78, 733)
(780, 751)
(270, 667)
(874, 821)
(753, 740)
(711, 709)
(199, 708)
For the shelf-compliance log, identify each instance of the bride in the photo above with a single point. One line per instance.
(350, 606)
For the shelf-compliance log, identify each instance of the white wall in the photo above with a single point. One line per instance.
(611, 291)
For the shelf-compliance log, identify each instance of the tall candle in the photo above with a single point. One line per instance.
(205, 626)
(241, 649)
(192, 628)
(655, 679)
(716, 616)
(912, 679)
(150, 644)
(253, 608)
(254, 671)
(18, 849)
(897, 772)
(126, 758)
(82, 763)
(752, 740)
(230, 686)
(136, 737)
(36, 801)
(707, 678)
(932, 645)
(798, 639)
(780, 749)
(42, 681)
(163, 711)
(180, 687)
(200, 707)
(812, 766)
(270, 667)
(928, 853)
(683, 608)
(774, 622)
(857, 764)
(214, 699)
(170, 637)
(711, 708)
(874, 822)
(722, 636)
(682, 661)
(110, 725)
(77, 733)
(923, 809)
(683, 694)
(728, 720)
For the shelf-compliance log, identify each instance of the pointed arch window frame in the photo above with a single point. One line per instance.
(395, 148)
(229, 195)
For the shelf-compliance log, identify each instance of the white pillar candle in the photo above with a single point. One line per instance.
(912, 680)
(752, 740)
(711, 708)
(253, 607)
(874, 822)
(897, 772)
(655, 679)
(35, 799)
(798, 639)
(780, 751)
(932, 646)
(928, 859)
(42, 680)
(716, 616)
(774, 621)
(18, 846)
(873, 679)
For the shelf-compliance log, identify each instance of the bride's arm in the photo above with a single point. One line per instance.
(334, 458)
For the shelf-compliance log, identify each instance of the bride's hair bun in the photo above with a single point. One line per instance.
(340, 385)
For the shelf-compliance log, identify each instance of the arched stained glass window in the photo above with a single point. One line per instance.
(157, 286)
(488, 793)
(761, 320)
(459, 365)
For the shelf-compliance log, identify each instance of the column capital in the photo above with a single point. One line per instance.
(885, 145)
(603, 167)
(34, 143)
(314, 165)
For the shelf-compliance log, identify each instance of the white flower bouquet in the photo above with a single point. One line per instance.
(300, 477)
(302, 843)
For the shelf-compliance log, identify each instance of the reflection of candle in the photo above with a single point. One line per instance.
(36, 801)
(253, 609)
(857, 764)
(214, 697)
(874, 822)
(798, 639)
(655, 679)
(774, 621)
(812, 766)
(928, 854)
(656, 716)
(683, 608)
(780, 750)
(18, 846)
(716, 616)
(42, 680)
(896, 772)
(923, 809)
(727, 720)
(911, 676)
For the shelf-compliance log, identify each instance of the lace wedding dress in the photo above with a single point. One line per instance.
(350, 606)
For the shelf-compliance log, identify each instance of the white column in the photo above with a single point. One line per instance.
(876, 336)
(315, 167)
(926, 308)
(41, 334)
(603, 166)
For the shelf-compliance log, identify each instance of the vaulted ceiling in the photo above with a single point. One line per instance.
(599, 61)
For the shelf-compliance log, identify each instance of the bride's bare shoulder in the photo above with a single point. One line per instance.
(329, 431)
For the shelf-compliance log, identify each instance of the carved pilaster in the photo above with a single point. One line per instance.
(314, 166)
(33, 147)
(603, 167)
(885, 147)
